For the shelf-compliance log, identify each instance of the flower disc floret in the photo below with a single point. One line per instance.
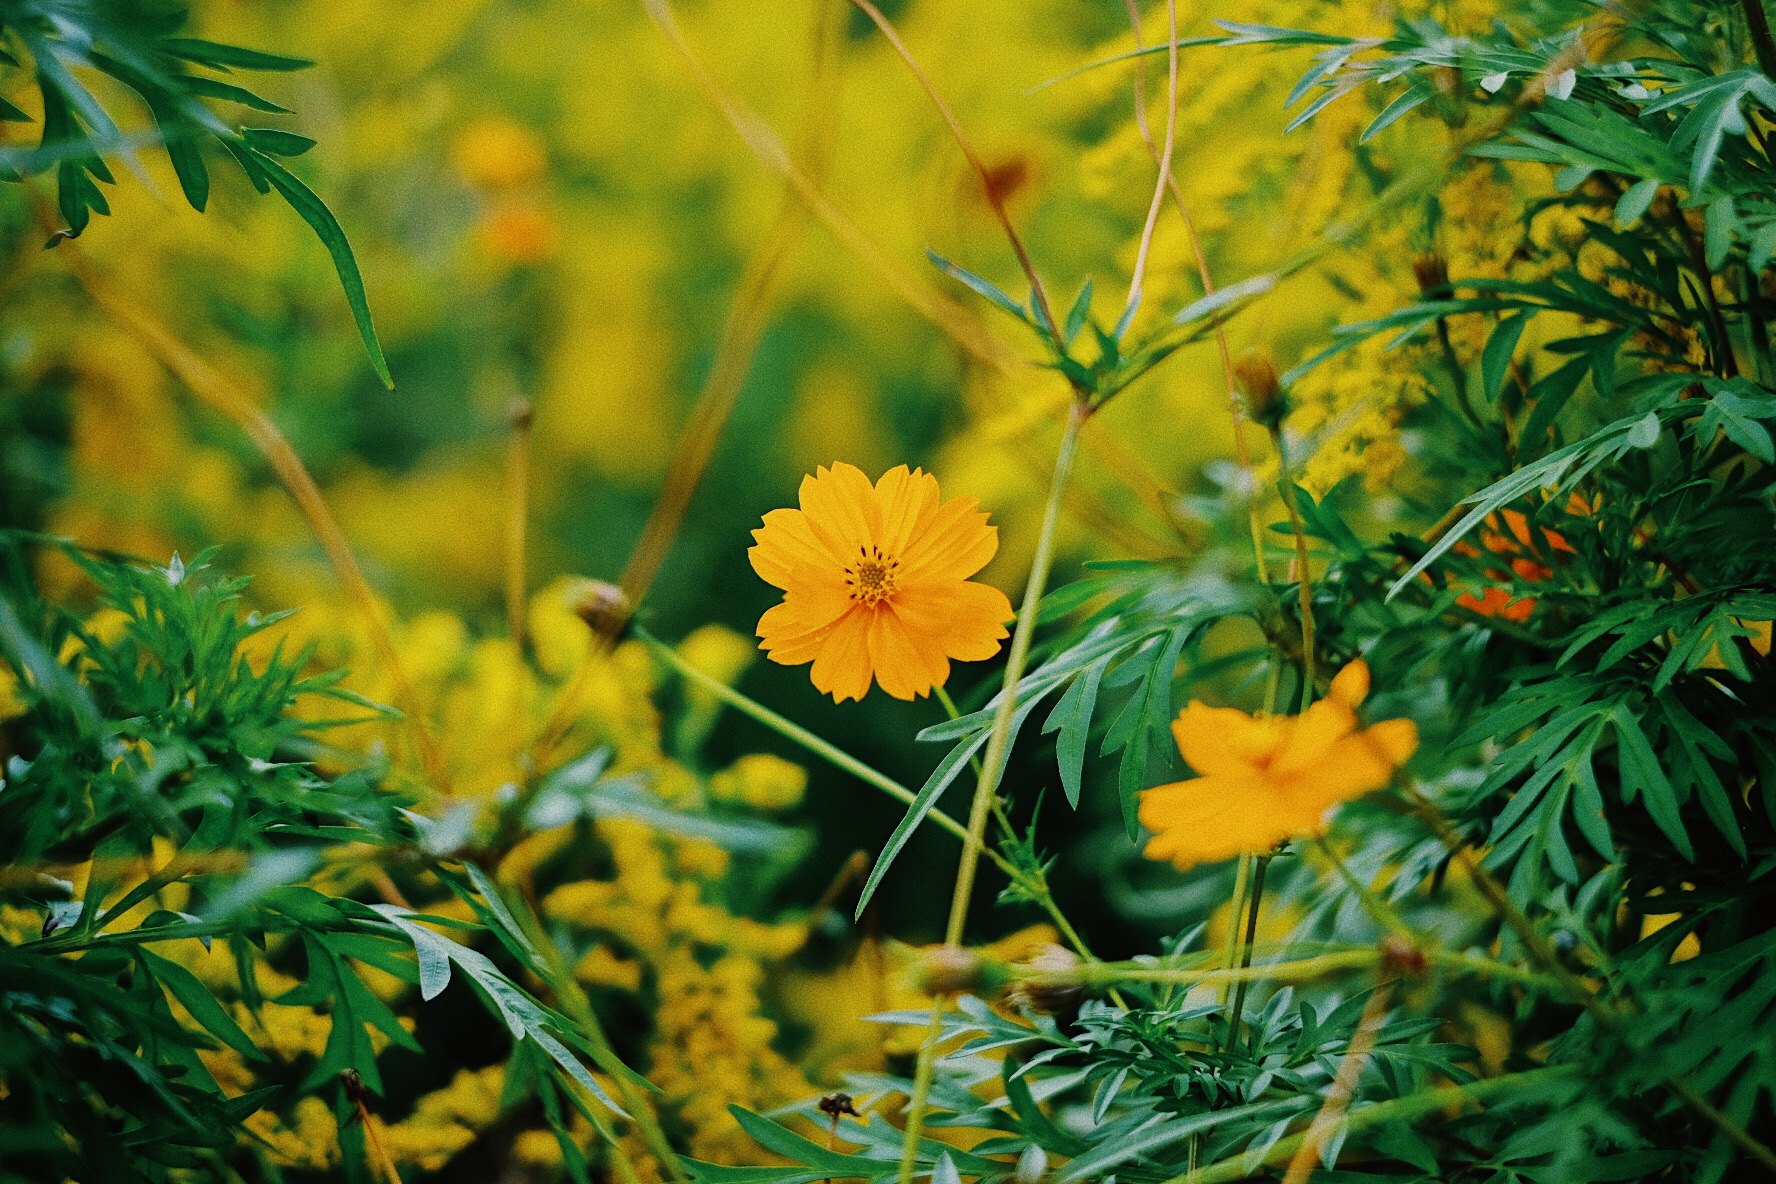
(875, 583)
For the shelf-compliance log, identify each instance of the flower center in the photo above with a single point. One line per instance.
(871, 576)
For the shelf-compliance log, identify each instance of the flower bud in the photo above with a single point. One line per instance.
(952, 970)
(602, 606)
(1432, 274)
(1264, 393)
(1045, 996)
(1403, 957)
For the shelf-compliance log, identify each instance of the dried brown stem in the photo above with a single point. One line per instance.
(992, 193)
(220, 396)
(1344, 1086)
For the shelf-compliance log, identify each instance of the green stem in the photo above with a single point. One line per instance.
(1034, 883)
(827, 751)
(1102, 974)
(1304, 581)
(949, 706)
(1241, 880)
(1407, 1109)
(1384, 913)
(1239, 993)
(992, 768)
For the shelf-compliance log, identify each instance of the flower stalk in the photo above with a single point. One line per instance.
(992, 768)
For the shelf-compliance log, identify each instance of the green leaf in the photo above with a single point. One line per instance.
(947, 771)
(215, 88)
(1550, 394)
(1501, 345)
(1077, 314)
(1073, 716)
(1763, 245)
(1718, 228)
(1634, 202)
(276, 141)
(1738, 415)
(201, 1002)
(1556, 472)
(1392, 112)
(211, 53)
(981, 286)
(314, 211)
(792, 1146)
(1642, 774)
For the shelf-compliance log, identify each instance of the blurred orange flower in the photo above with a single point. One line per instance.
(875, 582)
(1261, 780)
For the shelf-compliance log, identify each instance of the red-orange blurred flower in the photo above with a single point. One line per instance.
(1507, 534)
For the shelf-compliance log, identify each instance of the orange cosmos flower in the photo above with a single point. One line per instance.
(875, 583)
(1266, 779)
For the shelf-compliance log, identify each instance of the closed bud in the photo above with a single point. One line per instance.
(603, 606)
(1432, 274)
(1403, 957)
(952, 970)
(1054, 993)
(1264, 393)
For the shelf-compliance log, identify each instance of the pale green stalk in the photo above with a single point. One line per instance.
(1373, 902)
(992, 768)
(1304, 580)
(1299, 970)
(823, 749)
(1407, 1109)
(1037, 888)
(1241, 879)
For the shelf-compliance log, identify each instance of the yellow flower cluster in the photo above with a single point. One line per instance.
(762, 781)
(446, 1120)
(701, 970)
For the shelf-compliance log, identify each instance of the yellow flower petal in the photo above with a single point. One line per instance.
(1211, 819)
(843, 668)
(875, 583)
(1263, 781)
(1223, 740)
(1350, 686)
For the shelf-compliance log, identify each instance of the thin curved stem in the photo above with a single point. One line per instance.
(520, 418)
(991, 192)
(823, 749)
(1242, 452)
(747, 318)
(1165, 164)
(1344, 1086)
(992, 768)
(1303, 577)
(220, 396)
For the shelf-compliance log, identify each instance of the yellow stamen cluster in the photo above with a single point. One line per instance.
(871, 578)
